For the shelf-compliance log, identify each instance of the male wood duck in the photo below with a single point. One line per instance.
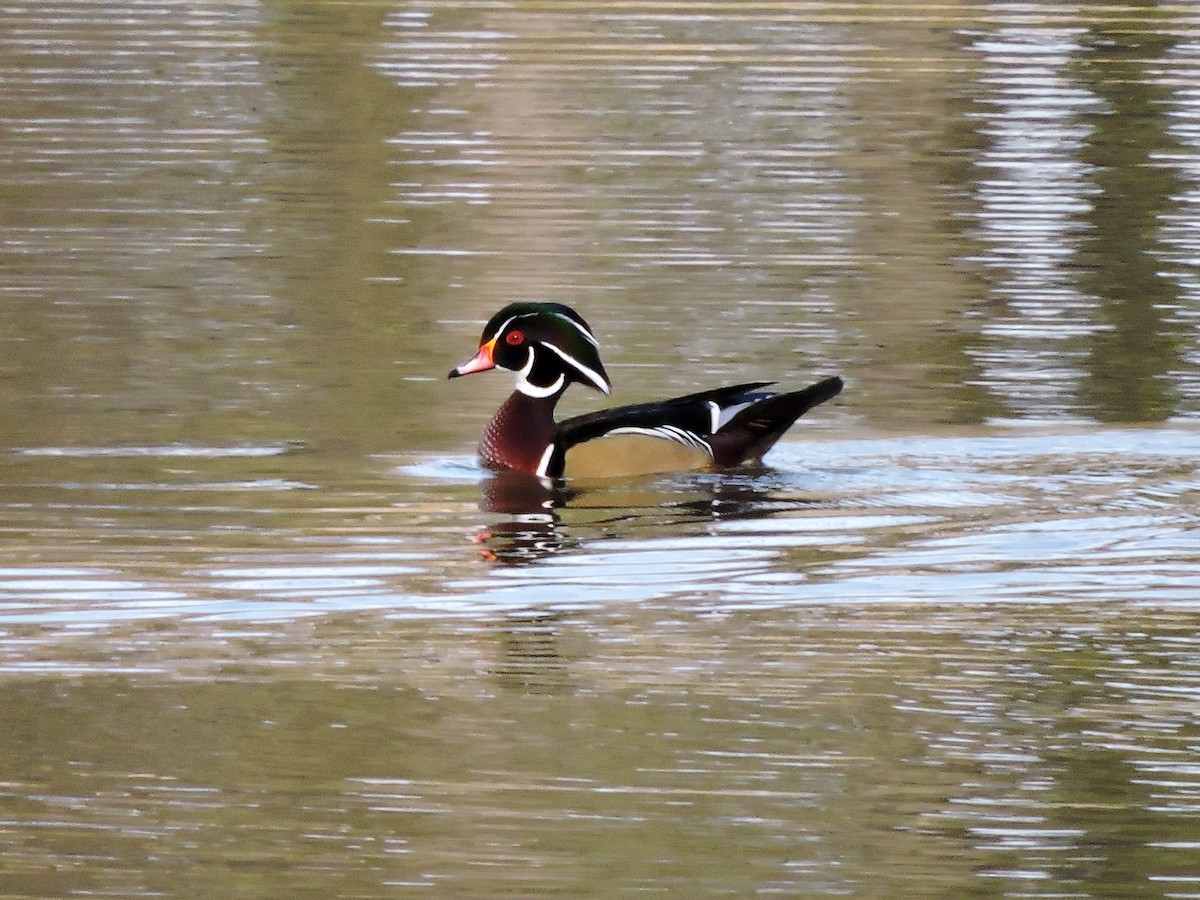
(550, 347)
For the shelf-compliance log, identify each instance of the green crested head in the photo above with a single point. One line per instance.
(548, 345)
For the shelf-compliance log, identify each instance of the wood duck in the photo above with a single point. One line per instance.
(550, 347)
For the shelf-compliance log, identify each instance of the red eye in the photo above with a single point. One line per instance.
(515, 338)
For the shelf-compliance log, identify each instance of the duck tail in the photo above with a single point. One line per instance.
(754, 430)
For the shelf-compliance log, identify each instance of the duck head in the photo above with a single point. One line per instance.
(548, 345)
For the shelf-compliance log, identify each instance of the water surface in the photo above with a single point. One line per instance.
(266, 628)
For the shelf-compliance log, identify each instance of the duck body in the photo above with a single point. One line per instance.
(550, 347)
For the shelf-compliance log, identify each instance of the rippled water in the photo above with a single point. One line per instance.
(267, 629)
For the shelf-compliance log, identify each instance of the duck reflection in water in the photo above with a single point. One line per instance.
(533, 531)
(537, 515)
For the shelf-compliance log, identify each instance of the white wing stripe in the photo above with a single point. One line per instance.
(722, 417)
(668, 432)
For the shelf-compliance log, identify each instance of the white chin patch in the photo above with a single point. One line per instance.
(533, 390)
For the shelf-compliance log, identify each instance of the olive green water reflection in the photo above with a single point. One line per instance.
(282, 230)
(890, 752)
(265, 628)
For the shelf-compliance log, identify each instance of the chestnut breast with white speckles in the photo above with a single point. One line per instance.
(519, 433)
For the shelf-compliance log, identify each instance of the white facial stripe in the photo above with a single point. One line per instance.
(499, 331)
(592, 376)
(587, 334)
(533, 390)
